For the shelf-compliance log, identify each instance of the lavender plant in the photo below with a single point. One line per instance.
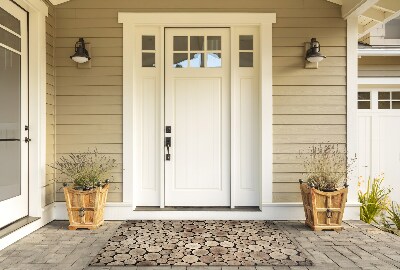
(85, 169)
(326, 167)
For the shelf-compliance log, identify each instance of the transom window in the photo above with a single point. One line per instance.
(197, 52)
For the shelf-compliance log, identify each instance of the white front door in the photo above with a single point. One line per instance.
(197, 110)
(379, 133)
(13, 113)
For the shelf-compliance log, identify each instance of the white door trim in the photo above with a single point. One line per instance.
(131, 119)
(37, 12)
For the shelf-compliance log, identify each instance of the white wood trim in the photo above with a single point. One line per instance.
(378, 80)
(192, 19)
(266, 113)
(131, 146)
(379, 52)
(37, 11)
(47, 216)
(353, 8)
(270, 211)
(130, 155)
(352, 89)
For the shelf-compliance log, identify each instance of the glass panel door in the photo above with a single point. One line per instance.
(13, 113)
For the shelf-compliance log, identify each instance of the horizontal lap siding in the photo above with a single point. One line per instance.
(49, 187)
(379, 66)
(309, 105)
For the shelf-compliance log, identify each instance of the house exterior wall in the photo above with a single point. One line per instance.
(49, 186)
(309, 104)
(379, 66)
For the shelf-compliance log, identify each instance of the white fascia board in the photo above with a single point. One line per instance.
(379, 52)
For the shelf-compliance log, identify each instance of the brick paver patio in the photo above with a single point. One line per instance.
(359, 246)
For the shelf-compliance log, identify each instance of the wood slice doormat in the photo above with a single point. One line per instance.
(171, 242)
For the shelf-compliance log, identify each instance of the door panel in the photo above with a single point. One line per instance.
(13, 113)
(197, 107)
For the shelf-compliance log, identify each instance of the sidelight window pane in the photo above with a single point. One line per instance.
(148, 59)
(245, 59)
(246, 42)
(148, 43)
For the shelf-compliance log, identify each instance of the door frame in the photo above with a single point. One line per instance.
(132, 118)
(37, 13)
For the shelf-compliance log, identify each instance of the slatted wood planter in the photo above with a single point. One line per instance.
(323, 210)
(86, 208)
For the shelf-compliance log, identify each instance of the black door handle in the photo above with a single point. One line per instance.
(168, 145)
(27, 139)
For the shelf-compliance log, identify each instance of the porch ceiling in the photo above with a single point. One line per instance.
(371, 13)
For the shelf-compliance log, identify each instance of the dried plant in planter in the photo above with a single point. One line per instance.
(86, 200)
(326, 167)
(86, 169)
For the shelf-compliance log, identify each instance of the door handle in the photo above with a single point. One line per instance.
(168, 145)
(27, 139)
(10, 140)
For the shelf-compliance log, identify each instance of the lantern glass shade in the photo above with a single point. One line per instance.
(81, 55)
(313, 54)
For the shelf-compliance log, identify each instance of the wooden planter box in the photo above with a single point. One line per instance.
(86, 208)
(323, 210)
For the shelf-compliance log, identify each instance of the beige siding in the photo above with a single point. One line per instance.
(309, 105)
(49, 187)
(379, 66)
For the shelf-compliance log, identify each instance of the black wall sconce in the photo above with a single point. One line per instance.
(313, 54)
(81, 54)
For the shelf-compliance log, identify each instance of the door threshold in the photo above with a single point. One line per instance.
(9, 229)
(201, 208)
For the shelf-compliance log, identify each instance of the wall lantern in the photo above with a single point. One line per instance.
(81, 54)
(313, 55)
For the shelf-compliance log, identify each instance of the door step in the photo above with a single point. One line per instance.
(197, 209)
(16, 226)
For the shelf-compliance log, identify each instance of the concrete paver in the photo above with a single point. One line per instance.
(358, 246)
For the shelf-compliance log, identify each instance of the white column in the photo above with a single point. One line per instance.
(352, 88)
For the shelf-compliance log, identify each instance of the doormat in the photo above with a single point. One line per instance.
(171, 242)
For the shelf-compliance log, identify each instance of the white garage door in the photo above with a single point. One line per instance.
(379, 136)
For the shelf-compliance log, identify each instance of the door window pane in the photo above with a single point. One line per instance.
(180, 60)
(180, 43)
(10, 123)
(245, 59)
(214, 43)
(10, 40)
(148, 43)
(384, 95)
(197, 60)
(396, 105)
(246, 42)
(10, 21)
(396, 95)
(383, 105)
(196, 43)
(214, 60)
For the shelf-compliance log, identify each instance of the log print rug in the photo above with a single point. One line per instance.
(187, 243)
